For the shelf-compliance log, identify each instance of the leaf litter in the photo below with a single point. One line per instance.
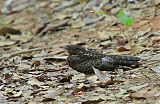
(33, 67)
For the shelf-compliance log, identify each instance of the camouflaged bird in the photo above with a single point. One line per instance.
(83, 60)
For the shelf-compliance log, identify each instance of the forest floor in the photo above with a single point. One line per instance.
(33, 67)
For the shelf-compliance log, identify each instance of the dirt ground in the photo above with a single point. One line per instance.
(33, 67)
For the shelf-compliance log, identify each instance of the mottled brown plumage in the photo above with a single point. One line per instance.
(83, 60)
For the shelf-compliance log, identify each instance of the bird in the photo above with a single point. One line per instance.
(84, 59)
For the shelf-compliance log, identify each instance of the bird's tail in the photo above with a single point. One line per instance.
(125, 60)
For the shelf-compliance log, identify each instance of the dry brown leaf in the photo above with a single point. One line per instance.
(8, 30)
(109, 82)
(137, 49)
(155, 23)
(143, 94)
(121, 49)
(156, 43)
(35, 64)
(140, 24)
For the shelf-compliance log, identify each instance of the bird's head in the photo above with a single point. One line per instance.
(74, 49)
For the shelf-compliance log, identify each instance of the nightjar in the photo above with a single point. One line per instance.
(84, 59)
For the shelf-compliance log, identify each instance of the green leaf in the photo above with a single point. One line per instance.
(121, 13)
(127, 21)
(124, 19)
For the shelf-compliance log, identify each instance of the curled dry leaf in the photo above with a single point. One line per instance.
(9, 30)
(35, 64)
(121, 49)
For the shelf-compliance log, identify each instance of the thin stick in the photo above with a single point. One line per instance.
(24, 51)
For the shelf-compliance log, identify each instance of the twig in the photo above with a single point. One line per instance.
(23, 52)
(54, 27)
(66, 5)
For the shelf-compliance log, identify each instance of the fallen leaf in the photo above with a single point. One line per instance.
(79, 77)
(6, 43)
(137, 49)
(121, 93)
(21, 38)
(109, 82)
(106, 34)
(143, 94)
(35, 64)
(143, 33)
(155, 57)
(96, 101)
(121, 49)
(1, 86)
(120, 40)
(52, 94)
(2, 99)
(136, 88)
(80, 85)
(34, 81)
(9, 30)
(140, 24)
(156, 43)
(155, 23)
(18, 94)
(65, 79)
(92, 78)
(56, 58)
(78, 24)
(32, 102)
(106, 44)
(156, 69)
